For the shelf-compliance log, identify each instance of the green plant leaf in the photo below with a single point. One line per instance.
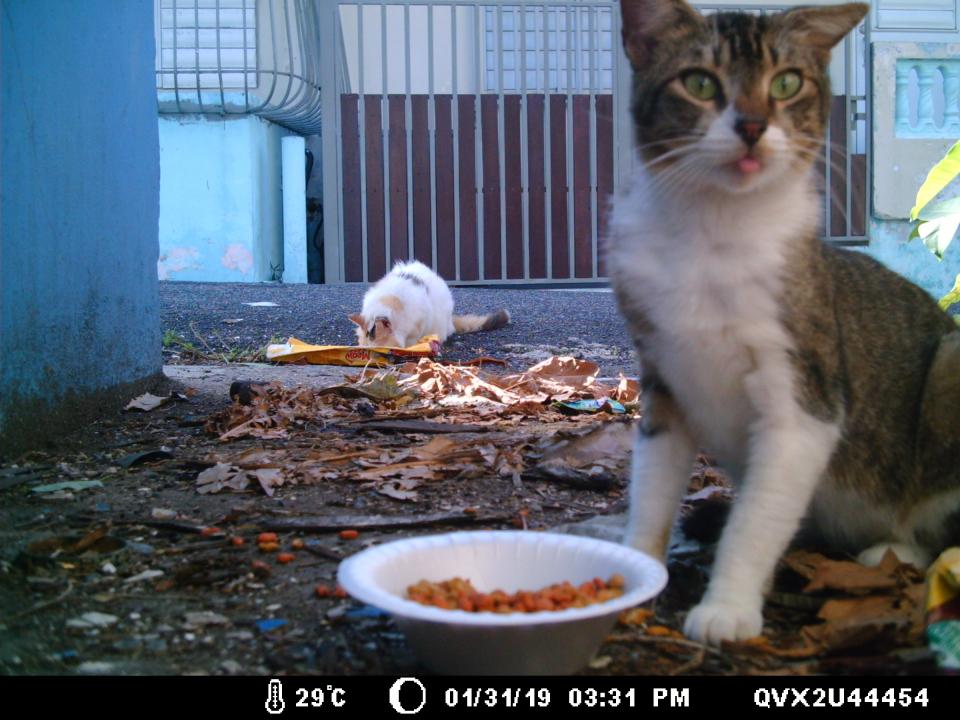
(940, 209)
(938, 178)
(952, 297)
(938, 234)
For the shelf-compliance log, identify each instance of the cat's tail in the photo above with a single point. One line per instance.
(476, 323)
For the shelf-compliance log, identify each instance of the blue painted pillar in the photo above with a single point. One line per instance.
(79, 306)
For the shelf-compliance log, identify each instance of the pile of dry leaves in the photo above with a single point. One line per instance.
(488, 413)
(881, 607)
(396, 430)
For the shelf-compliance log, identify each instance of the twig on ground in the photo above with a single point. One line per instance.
(196, 334)
(692, 664)
(659, 640)
(42, 605)
(378, 522)
(324, 552)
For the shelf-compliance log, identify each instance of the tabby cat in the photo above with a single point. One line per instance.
(827, 386)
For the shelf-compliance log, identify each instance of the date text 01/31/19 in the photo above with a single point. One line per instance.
(494, 697)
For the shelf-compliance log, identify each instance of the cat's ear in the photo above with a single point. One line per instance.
(385, 322)
(356, 319)
(824, 26)
(647, 23)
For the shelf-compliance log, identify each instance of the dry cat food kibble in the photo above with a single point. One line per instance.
(459, 594)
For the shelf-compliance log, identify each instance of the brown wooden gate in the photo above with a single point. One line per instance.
(556, 198)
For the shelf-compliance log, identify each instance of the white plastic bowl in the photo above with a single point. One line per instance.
(460, 643)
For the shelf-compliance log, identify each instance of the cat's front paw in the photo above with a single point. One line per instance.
(713, 622)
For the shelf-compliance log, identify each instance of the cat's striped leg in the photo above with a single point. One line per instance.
(787, 459)
(663, 455)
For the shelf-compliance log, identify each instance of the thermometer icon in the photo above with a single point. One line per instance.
(275, 702)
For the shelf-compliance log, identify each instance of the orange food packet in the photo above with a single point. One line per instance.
(299, 352)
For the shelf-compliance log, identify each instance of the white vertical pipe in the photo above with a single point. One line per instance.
(294, 183)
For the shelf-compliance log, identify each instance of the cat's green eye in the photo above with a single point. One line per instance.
(701, 85)
(786, 85)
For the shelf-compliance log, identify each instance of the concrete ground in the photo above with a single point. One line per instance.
(215, 317)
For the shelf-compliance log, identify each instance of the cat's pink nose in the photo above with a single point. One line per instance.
(750, 129)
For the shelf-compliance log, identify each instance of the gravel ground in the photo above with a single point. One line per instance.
(213, 317)
(126, 570)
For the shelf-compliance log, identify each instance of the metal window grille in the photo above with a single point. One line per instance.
(208, 44)
(240, 57)
(545, 41)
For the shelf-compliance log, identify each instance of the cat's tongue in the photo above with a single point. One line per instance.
(748, 165)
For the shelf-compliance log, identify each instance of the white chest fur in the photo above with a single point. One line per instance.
(709, 274)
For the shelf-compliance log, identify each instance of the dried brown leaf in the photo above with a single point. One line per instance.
(850, 577)
(436, 448)
(628, 391)
(258, 458)
(421, 470)
(872, 608)
(834, 637)
(607, 444)
(398, 491)
(269, 479)
(221, 475)
(706, 493)
(804, 563)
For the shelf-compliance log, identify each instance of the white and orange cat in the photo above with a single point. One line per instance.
(412, 301)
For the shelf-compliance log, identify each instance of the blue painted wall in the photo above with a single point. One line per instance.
(79, 305)
(888, 244)
(221, 210)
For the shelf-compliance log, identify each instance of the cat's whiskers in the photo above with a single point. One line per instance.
(673, 152)
(680, 175)
(839, 167)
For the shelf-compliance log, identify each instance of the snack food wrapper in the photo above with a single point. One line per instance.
(943, 609)
(297, 351)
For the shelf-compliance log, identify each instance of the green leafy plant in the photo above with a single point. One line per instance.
(936, 223)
